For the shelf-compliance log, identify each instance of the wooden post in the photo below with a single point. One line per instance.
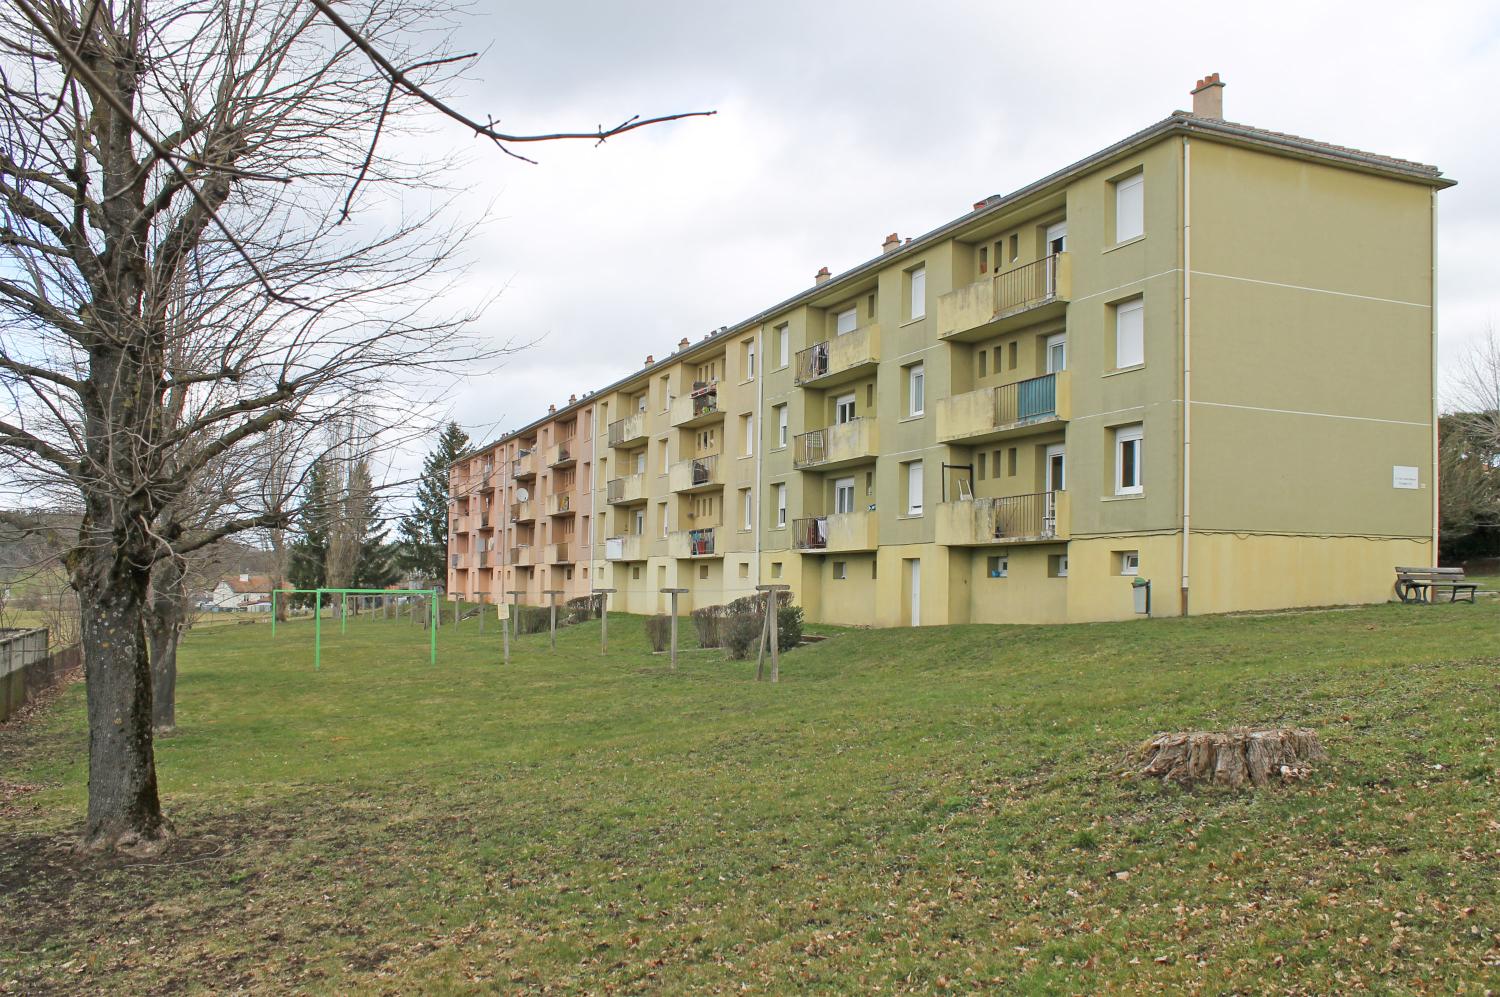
(515, 611)
(773, 628)
(603, 595)
(674, 593)
(552, 600)
(458, 605)
(504, 614)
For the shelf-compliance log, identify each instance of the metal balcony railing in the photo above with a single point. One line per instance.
(1026, 287)
(700, 542)
(704, 469)
(629, 428)
(1026, 401)
(810, 533)
(1014, 517)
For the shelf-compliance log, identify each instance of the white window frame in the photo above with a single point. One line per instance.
(1130, 333)
(1002, 566)
(1130, 436)
(749, 359)
(916, 389)
(665, 516)
(1130, 562)
(749, 430)
(1062, 566)
(783, 424)
(748, 504)
(852, 314)
(1130, 207)
(843, 495)
(780, 489)
(840, 570)
(915, 482)
(784, 343)
(1056, 341)
(839, 402)
(918, 280)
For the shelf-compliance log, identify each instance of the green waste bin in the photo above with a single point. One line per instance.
(1141, 589)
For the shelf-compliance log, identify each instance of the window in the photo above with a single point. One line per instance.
(1057, 238)
(983, 358)
(666, 455)
(747, 432)
(780, 491)
(640, 521)
(781, 425)
(635, 573)
(1130, 207)
(748, 358)
(775, 569)
(640, 461)
(1128, 440)
(840, 570)
(843, 409)
(666, 394)
(783, 344)
(845, 321)
(1057, 566)
(984, 259)
(982, 456)
(1130, 562)
(703, 572)
(918, 293)
(661, 509)
(1130, 333)
(744, 569)
(999, 565)
(748, 506)
(869, 483)
(1057, 353)
(914, 488)
(916, 390)
(1015, 246)
(843, 495)
(1010, 462)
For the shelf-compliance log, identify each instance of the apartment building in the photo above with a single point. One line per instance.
(1203, 357)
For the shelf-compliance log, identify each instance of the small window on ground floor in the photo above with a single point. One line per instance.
(703, 572)
(1057, 566)
(1128, 561)
(999, 565)
(775, 569)
(840, 569)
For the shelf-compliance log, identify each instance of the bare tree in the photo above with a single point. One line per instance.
(201, 151)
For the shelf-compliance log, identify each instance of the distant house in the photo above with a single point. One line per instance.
(242, 593)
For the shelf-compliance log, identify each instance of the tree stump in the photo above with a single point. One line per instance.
(1230, 758)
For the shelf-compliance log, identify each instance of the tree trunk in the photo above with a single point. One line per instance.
(124, 809)
(164, 625)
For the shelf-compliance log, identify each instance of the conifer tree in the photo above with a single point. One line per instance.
(424, 531)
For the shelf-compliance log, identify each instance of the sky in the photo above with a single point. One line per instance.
(838, 123)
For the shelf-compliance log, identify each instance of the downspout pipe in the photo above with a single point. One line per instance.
(1436, 454)
(1187, 364)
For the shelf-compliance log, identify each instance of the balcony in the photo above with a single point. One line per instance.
(560, 504)
(628, 431)
(691, 543)
(488, 479)
(631, 547)
(852, 442)
(523, 555)
(1036, 405)
(460, 525)
(1015, 519)
(699, 408)
(484, 559)
(524, 466)
(620, 491)
(1009, 300)
(838, 533)
(561, 455)
(841, 359)
(559, 553)
(523, 512)
(458, 562)
(697, 475)
(484, 519)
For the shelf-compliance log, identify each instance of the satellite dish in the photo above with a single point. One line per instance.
(522, 495)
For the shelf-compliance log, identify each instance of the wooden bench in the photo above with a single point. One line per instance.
(1421, 584)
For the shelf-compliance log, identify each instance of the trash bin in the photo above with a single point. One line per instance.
(1141, 589)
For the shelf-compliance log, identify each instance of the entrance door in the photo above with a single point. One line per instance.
(1057, 238)
(914, 583)
(1057, 472)
(1057, 353)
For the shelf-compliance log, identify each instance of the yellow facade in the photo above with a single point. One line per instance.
(1202, 357)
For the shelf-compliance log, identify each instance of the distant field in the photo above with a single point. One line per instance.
(907, 811)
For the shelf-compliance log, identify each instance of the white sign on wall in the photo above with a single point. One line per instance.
(1404, 477)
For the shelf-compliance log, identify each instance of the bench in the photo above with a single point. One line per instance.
(1421, 584)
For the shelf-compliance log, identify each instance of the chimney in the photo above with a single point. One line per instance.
(891, 244)
(822, 276)
(1208, 98)
(979, 205)
(683, 343)
(551, 409)
(572, 399)
(244, 576)
(650, 360)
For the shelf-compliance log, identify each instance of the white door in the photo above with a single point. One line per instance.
(640, 522)
(1057, 238)
(1057, 353)
(1057, 472)
(914, 574)
(843, 495)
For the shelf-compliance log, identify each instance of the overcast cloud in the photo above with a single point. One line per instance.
(840, 122)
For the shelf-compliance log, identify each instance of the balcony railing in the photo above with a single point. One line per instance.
(837, 532)
(693, 543)
(845, 443)
(1006, 410)
(630, 488)
(455, 560)
(561, 454)
(558, 553)
(521, 555)
(698, 407)
(560, 504)
(1036, 518)
(630, 547)
(973, 308)
(630, 429)
(700, 472)
(484, 559)
(841, 358)
(522, 512)
(524, 466)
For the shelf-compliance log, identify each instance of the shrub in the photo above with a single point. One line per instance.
(743, 605)
(741, 635)
(659, 631)
(583, 608)
(531, 619)
(710, 624)
(788, 627)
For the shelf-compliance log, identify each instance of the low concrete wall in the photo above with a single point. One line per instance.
(26, 667)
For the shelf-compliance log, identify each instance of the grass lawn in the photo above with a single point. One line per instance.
(907, 811)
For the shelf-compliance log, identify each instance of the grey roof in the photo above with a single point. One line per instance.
(1179, 122)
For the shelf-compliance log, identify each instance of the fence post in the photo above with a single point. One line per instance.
(515, 612)
(773, 628)
(603, 595)
(674, 593)
(432, 631)
(501, 612)
(552, 595)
